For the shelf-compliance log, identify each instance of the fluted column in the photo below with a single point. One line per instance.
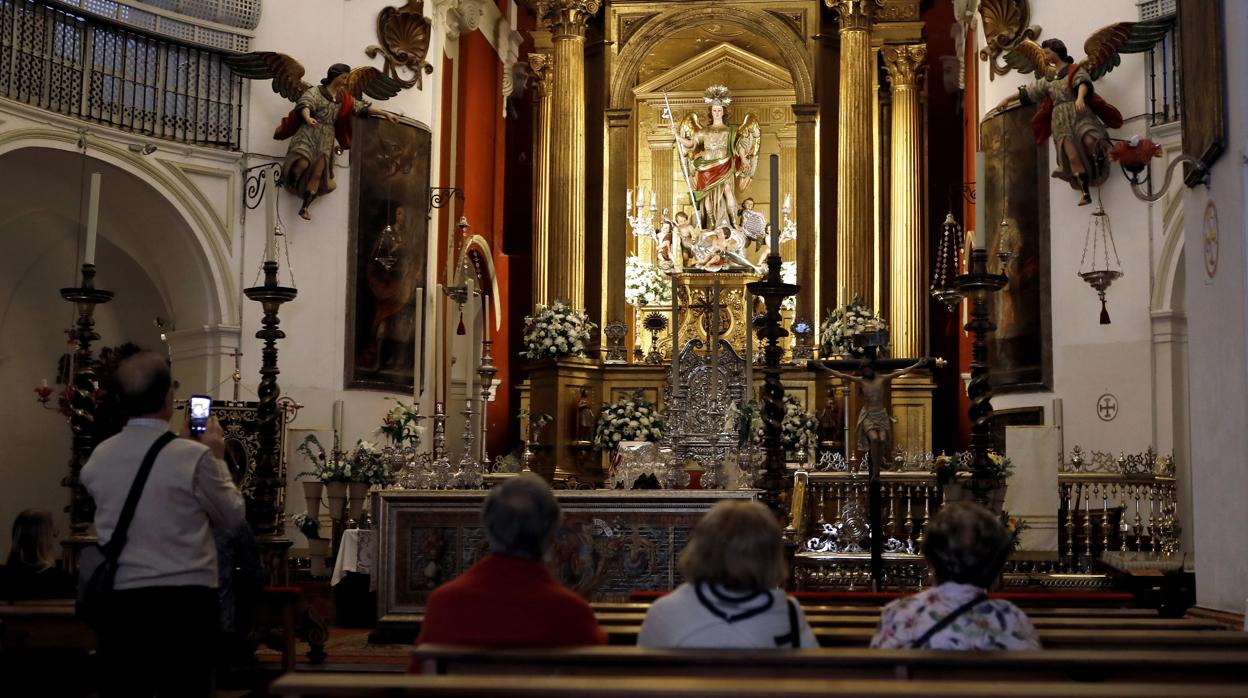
(566, 20)
(661, 164)
(804, 211)
(854, 254)
(615, 248)
(542, 67)
(907, 315)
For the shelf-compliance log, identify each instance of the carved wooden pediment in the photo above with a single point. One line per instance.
(723, 64)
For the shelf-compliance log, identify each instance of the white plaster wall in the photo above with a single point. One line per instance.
(1090, 359)
(1218, 348)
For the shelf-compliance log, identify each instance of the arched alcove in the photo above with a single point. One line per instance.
(147, 254)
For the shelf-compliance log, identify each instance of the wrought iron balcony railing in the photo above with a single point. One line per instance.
(86, 68)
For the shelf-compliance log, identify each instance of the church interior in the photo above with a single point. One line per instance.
(856, 260)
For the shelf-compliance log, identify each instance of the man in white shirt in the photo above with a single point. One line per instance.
(160, 631)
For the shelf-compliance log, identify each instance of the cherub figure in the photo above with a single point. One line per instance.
(321, 117)
(724, 158)
(1070, 110)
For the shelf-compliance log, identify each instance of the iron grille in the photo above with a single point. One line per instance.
(89, 69)
(1161, 64)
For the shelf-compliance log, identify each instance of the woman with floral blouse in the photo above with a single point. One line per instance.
(966, 548)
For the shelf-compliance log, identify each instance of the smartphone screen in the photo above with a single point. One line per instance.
(201, 407)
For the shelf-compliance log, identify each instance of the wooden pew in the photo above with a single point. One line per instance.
(43, 625)
(1052, 638)
(1048, 665)
(847, 610)
(327, 685)
(817, 620)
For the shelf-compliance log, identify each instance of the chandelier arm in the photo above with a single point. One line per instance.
(1160, 192)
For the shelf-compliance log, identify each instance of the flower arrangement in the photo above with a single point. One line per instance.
(308, 526)
(556, 330)
(1014, 525)
(366, 464)
(402, 424)
(645, 283)
(798, 429)
(836, 334)
(324, 468)
(631, 418)
(536, 422)
(788, 274)
(954, 468)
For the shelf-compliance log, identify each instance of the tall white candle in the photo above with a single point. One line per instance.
(93, 216)
(981, 203)
(628, 200)
(654, 200)
(338, 418)
(641, 198)
(788, 204)
(270, 226)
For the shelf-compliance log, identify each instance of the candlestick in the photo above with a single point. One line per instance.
(628, 200)
(654, 200)
(981, 208)
(788, 204)
(93, 215)
(270, 227)
(775, 204)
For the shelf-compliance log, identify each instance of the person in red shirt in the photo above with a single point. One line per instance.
(509, 599)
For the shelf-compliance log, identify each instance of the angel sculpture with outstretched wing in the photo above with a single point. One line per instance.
(723, 158)
(1070, 110)
(321, 117)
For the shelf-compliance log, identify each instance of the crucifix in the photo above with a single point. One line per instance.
(874, 431)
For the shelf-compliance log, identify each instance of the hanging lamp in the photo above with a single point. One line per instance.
(1095, 268)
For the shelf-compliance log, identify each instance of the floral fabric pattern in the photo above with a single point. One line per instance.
(994, 624)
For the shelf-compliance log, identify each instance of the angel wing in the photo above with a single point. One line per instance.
(749, 140)
(1027, 57)
(1104, 48)
(286, 72)
(689, 126)
(367, 80)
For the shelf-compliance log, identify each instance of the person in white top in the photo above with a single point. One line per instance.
(159, 632)
(734, 564)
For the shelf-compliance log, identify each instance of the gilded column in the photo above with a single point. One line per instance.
(905, 64)
(854, 254)
(541, 65)
(911, 394)
(661, 164)
(804, 211)
(567, 20)
(615, 248)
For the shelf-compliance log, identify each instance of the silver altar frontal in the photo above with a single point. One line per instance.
(610, 543)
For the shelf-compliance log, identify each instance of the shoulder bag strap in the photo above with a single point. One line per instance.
(112, 549)
(794, 636)
(944, 622)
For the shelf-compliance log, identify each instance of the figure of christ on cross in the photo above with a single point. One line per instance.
(875, 428)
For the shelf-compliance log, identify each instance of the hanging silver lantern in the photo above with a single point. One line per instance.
(1095, 267)
(946, 266)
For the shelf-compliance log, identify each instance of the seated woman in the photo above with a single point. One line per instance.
(966, 548)
(734, 566)
(30, 571)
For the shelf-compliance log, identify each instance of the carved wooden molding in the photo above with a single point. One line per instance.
(904, 63)
(567, 17)
(1005, 25)
(403, 35)
(854, 15)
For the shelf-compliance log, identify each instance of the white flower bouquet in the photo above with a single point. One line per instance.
(631, 418)
(645, 283)
(798, 429)
(788, 274)
(402, 424)
(836, 334)
(326, 467)
(366, 464)
(556, 331)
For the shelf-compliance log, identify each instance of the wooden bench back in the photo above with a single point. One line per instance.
(327, 685)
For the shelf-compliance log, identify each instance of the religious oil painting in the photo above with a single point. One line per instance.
(386, 254)
(1016, 198)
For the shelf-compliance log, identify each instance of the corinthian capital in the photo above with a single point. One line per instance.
(542, 65)
(567, 17)
(904, 63)
(854, 15)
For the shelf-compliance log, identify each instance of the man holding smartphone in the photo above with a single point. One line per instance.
(158, 635)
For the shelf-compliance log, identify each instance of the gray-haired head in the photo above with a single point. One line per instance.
(144, 381)
(520, 517)
(966, 543)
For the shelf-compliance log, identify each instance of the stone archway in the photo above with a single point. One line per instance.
(652, 32)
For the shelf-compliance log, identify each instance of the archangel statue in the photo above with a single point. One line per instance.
(321, 118)
(723, 158)
(1070, 110)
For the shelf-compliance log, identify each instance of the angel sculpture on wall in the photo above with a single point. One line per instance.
(1070, 110)
(723, 158)
(321, 118)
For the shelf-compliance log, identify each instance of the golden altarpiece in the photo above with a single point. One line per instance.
(614, 81)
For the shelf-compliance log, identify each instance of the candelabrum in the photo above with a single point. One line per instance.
(773, 292)
(976, 284)
(788, 230)
(264, 512)
(82, 396)
(440, 469)
(468, 475)
(486, 372)
(642, 224)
